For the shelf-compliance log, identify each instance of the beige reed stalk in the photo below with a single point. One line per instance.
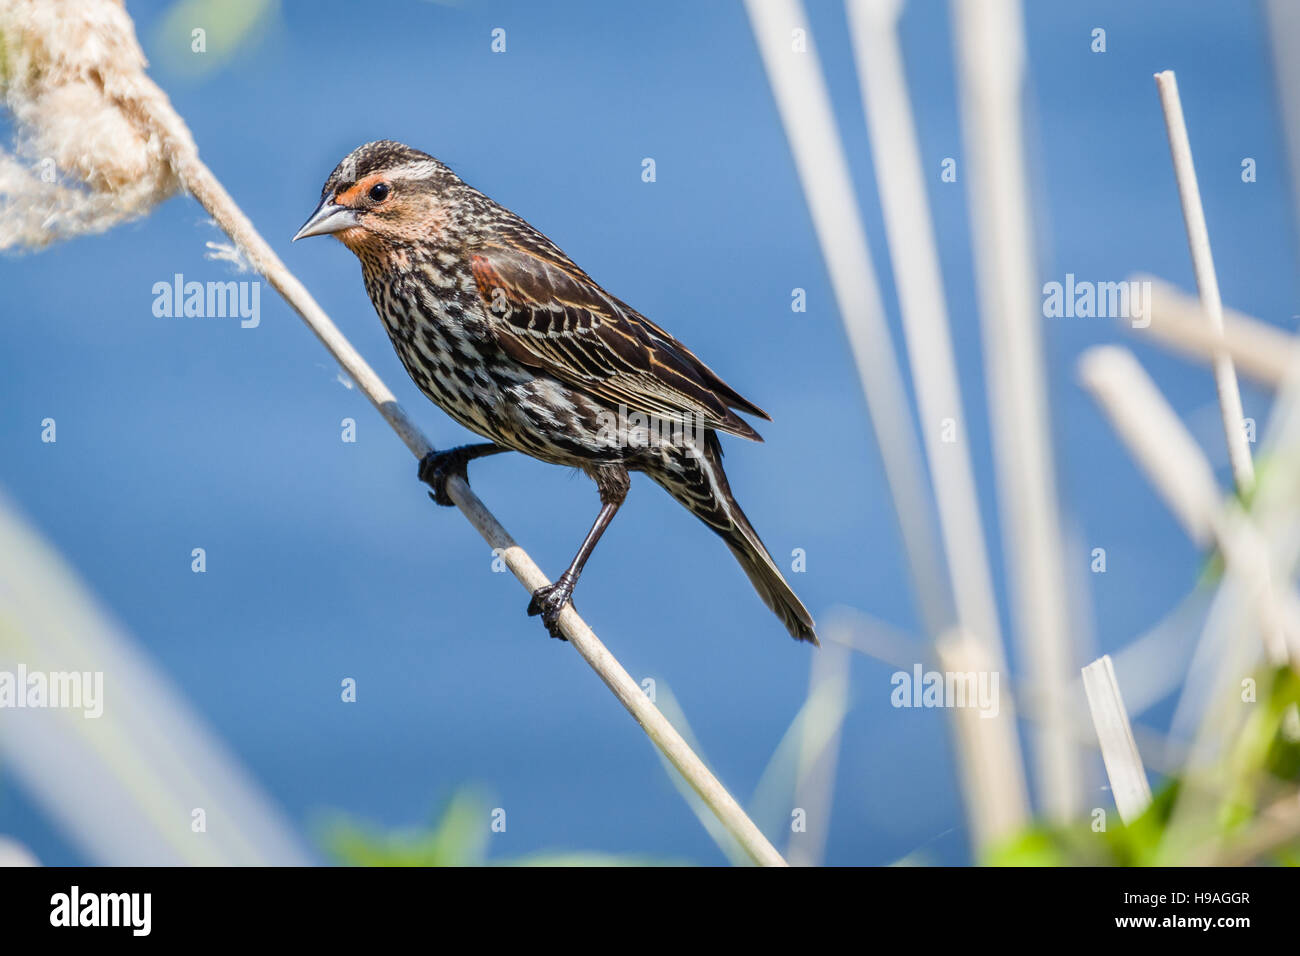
(1207, 280)
(1259, 351)
(991, 64)
(123, 785)
(805, 109)
(873, 27)
(1283, 29)
(1207, 284)
(989, 750)
(1119, 752)
(1179, 471)
(915, 258)
(863, 634)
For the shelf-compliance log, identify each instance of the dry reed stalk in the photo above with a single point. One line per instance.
(996, 806)
(991, 55)
(1119, 752)
(1179, 471)
(1261, 351)
(804, 105)
(1207, 280)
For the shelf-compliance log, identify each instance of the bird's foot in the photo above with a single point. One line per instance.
(438, 466)
(549, 601)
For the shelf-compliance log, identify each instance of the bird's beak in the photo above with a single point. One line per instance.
(328, 217)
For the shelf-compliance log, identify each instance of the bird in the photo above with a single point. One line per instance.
(509, 337)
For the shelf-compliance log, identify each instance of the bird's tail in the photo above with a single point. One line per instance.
(702, 487)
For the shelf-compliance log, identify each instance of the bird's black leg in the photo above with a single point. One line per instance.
(613, 483)
(437, 466)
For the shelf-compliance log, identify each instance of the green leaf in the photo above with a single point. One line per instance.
(459, 838)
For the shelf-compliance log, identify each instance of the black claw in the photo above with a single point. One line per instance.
(438, 466)
(549, 601)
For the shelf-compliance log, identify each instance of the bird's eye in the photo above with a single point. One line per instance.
(379, 192)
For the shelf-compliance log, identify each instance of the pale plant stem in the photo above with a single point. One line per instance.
(1155, 437)
(1277, 615)
(804, 105)
(1260, 351)
(1207, 280)
(1271, 356)
(1214, 706)
(996, 807)
(1000, 805)
(1128, 778)
(117, 784)
(873, 27)
(897, 159)
(865, 635)
(1179, 471)
(1283, 29)
(991, 66)
(1275, 512)
(819, 747)
(209, 192)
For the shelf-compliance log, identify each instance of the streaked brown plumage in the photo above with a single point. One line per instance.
(506, 334)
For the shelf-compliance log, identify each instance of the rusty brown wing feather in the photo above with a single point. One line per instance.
(548, 314)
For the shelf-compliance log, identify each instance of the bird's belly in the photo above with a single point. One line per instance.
(491, 394)
(452, 357)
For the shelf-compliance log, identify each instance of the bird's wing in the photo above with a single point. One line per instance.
(548, 314)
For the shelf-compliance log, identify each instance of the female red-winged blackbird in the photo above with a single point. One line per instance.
(511, 339)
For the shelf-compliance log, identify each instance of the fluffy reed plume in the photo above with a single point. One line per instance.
(87, 154)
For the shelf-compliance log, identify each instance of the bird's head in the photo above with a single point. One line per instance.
(382, 195)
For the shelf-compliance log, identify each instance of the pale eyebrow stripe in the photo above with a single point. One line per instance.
(416, 169)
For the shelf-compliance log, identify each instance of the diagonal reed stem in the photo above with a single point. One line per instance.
(1207, 280)
(1119, 751)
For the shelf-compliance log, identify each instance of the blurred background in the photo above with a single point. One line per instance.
(325, 560)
